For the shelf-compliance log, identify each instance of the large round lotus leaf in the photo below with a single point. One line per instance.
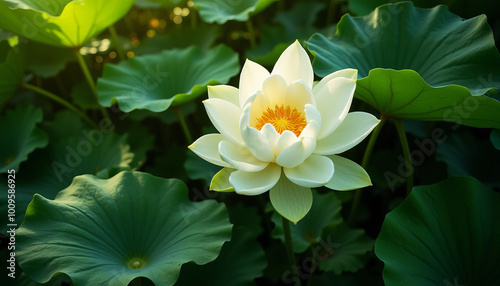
(221, 11)
(443, 234)
(440, 46)
(79, 22)
(155, 82)
(241, 260)
(19, 127)
(405, 94)
(12, 62)
(108, 232)
(54, 7)
(74, 149)
(325, 211)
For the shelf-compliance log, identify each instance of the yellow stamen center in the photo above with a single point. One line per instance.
(283, 118)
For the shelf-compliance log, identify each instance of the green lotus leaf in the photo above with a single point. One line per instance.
(325, 211)
(155, 82)
(445, 233)
(440, 46)
(404, 94)
(74, 149)
(221, 11)
(463, 8)
(110, 231)
(79, 22)
(19, 126)
(54, 7)
(240, 261)
(12, 63)
(343, 249)
(47, 61)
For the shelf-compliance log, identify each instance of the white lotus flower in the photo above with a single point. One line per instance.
(280, 133)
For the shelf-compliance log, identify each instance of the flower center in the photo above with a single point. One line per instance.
(136, 263)
(283, 118)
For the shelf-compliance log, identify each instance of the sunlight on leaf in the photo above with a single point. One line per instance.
(79, 22)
